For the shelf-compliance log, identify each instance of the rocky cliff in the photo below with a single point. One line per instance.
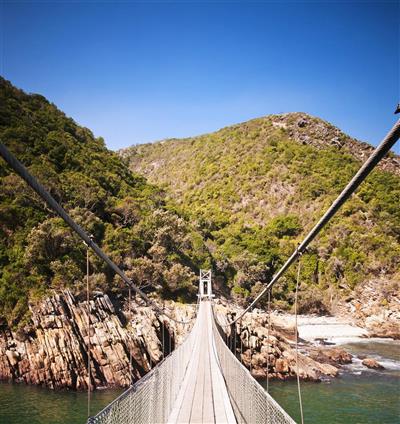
(52, 349)
(270, 350)
(378, 311)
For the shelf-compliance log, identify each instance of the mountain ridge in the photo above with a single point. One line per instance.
(255, 188)
(361, 150)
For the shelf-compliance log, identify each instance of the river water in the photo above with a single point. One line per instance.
(357, 396)
(21, 404)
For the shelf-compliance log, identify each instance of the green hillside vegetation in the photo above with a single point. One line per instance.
(128, 217)
(238, 200)
(253, 191)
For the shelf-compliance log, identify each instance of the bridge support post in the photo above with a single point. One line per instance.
(205, 286)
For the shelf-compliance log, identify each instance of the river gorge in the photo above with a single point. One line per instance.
(357, 395)
(336, 386)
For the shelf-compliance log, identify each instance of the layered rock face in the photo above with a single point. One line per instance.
(270, 350)
(52, 350)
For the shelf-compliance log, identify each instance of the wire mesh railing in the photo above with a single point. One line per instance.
(250, 402)
(150, 400)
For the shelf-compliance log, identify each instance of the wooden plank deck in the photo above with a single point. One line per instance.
(203, 397)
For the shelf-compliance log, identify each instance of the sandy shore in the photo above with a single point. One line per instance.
(333, 329)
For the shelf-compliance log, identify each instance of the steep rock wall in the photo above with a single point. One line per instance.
(52, 350)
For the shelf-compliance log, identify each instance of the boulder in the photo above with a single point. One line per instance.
(372, 363)
(281, 366)
(331, 355)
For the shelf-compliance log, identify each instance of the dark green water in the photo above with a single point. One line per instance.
(21, 404)
(350, 399)
(356, 397)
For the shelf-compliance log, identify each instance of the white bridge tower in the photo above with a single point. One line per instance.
(205, 287)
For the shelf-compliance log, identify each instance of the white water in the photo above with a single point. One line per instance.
(337, 331)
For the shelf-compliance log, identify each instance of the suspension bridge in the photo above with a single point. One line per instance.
(201, 381)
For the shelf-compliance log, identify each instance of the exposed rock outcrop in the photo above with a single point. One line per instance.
(330, 355)
(376, 307)
(272, 351)
(52, 350)
(313, 131)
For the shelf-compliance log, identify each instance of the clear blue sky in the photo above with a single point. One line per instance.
(140, 71)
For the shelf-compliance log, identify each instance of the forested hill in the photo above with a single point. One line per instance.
(238, 200)
(254, 189)
(128, 217)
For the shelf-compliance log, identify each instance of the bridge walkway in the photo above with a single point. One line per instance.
(203, 397)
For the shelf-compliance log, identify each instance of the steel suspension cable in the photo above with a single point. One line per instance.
(384, 147)
(268, 334)
(88, 331)
(241, 341)
(250, 343)
(44, 194)
(234, 342)
(297, 339)
(130, 324)
(163, 341)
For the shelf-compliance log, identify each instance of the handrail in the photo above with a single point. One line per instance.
(151, 398)
(250, 402)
